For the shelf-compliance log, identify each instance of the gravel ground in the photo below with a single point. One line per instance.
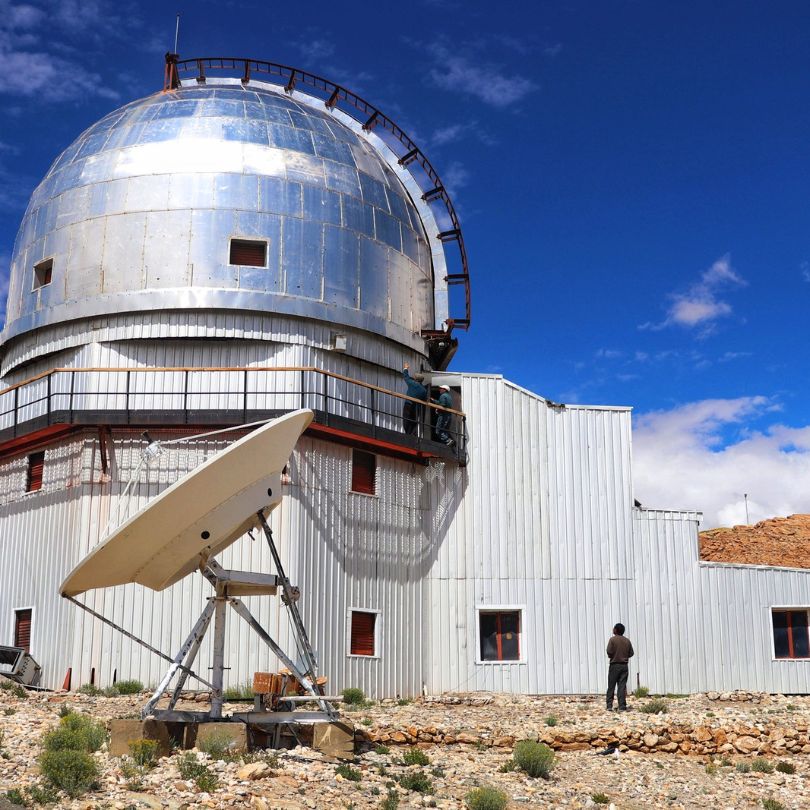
(302, 778)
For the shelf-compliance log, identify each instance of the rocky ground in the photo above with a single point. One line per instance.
(783, 541)
(476, 733)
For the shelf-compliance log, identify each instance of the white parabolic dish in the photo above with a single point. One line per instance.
(197, 516)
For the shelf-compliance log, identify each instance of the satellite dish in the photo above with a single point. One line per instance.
(196, 517)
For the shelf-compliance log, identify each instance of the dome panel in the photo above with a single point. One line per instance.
(150, 198)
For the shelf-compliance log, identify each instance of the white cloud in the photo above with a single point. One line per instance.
(701, 306)
(486, 81)
(705, 456)
(454, 177)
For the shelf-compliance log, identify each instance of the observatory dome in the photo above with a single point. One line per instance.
(222, 197)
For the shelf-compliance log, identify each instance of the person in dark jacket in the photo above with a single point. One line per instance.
(412, 412)
(620, 651)
(443, 418)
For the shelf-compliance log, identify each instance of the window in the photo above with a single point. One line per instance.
(36, 466)
(500, 635)
(363, 628)
(22, 629)
(790, 634)
(249, 252)
(42, 273)
(364, 472)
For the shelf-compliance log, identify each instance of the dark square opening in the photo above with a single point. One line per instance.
(36, 468)
(364, 472)
(362, 634)
(791, 638)
(500, 635)
(249, 252)
(42, 273)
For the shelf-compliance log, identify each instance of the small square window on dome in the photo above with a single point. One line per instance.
(43, 272)
(249, 252)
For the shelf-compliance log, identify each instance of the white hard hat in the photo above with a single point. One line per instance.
(444, 388)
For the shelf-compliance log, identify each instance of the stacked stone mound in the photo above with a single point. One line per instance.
(778, 541)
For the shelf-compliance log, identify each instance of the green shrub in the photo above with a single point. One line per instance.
(130, 687)
(72, 771)
(354, 697)
(600, 798)
(655, 706)
(536, 759)
(16, 689)
(65, 710)
(347, 772)
(89, 689)
(143, 752)
(404, 701)
(711, 769)
(417, 781)
(486, 798)
(193, 770)
(133, 774)
(508, 766)
(761, 765)
(415, 756)
(743, 767)
(367, 721)
(725, 762)
(242, 692)
(218, 744)
(391, 801)
(14, 796)
(785, 767)
(551, 720)
(8, 711)
(639, 692)
(382, 749)
(772, 804)
(76, 732)
(110, 691)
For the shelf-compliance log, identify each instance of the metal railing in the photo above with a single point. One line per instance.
(208, 395)
(336, 96)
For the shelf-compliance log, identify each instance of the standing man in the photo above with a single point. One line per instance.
(412, 412)
(620, 651)
(443, 418)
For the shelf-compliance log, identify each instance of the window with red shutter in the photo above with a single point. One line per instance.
(22, 629)
(249, 252)
(362, 633)
(791, 633)
(36, 467)
(364, 472)
(499, 631)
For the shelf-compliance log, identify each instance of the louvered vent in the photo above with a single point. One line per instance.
(248, 252)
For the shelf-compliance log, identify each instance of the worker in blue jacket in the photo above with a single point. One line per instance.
(412, 412)
(442, 429)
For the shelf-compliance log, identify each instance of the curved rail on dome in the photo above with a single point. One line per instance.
(370, 118)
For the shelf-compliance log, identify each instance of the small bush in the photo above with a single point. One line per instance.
(551, 720)
(382, 749)
(785, 767)
(415, 756)
(711, 769)
(725, 762)
(639, 692)
(354, 697)
(16, 689)
(367, 721)
(655, 706)
(710, 714)
(761, 765)
(8, 711)
(536, 759)
(676, 696)
(143, 752)
(65, 710)
(417, 781)
(347, 772)
(508, 766)
(76, 732)
(72, 771)
(193, 770)
(242, 692)
(110, 691)
(15, 796)
(130, 687)
(217, 744)
(600, 798)
(743, 767)
(772, 804)
(404, 701)
(486, 798)
(391, 801)
(790, 707)
(133, 774)
(89, 689)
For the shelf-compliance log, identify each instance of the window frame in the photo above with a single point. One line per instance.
(499, 608)
(377, 633)
(373, 493)
(13, 633)
(36, 284)
(787, 609)
(249, 240)
(28, 468)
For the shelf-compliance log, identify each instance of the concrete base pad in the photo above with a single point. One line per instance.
(122, 732)
(334, 739)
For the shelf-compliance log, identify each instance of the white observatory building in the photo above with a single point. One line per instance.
(252, 240)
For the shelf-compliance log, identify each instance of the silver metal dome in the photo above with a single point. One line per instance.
(140, 211)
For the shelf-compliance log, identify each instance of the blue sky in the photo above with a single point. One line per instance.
(632, 182)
